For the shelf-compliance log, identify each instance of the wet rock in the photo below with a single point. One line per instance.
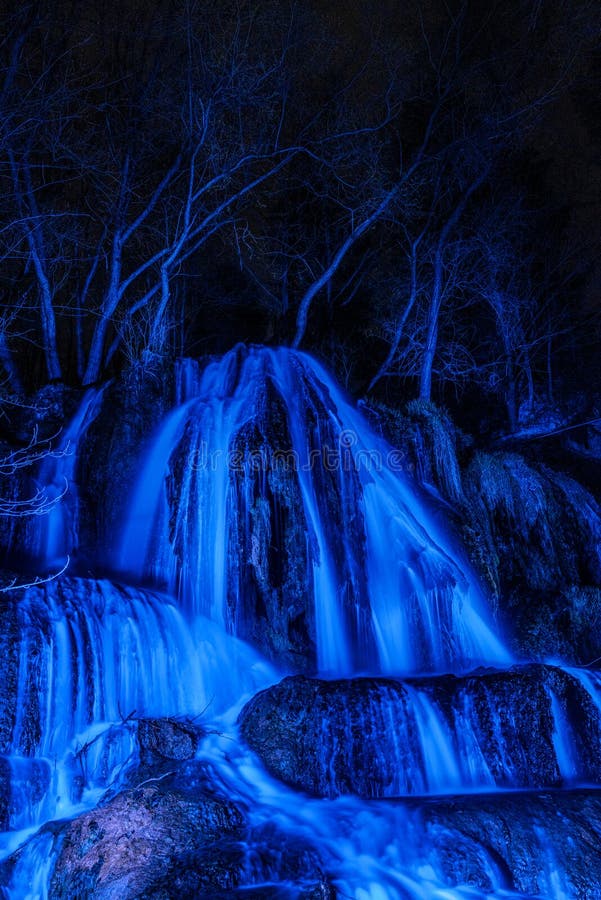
(24, 784)
(430, 443)
(271, 589)
(27, 619)
(275, 533)
(60, 645)
(319, 890)
(532, 531)
(216, 870)
(9, 668)
(314, 736)
(169, 738)
(5, 779)
(178, 835)
(109, 457)
(141, 838)
(541, 845)
(263, 865)
(274, 855)
(382, 738)
(562, 624)
(537, 533)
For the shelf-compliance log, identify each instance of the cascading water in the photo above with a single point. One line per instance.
(389, 591)
(267, 507)
(86, 658)
(55, 535)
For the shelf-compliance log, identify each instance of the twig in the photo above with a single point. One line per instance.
(13, 586)
(155, 778)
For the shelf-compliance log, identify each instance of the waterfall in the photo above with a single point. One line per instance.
(269, 521)
(56, 533)
(389, 590)
(88, 658)
(379, 738)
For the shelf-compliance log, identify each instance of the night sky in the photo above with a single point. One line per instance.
(409, 190)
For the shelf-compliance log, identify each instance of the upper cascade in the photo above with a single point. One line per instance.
(339, 556)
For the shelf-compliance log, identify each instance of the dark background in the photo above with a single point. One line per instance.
(411, 191)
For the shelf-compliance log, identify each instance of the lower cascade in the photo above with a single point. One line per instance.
(288, 683)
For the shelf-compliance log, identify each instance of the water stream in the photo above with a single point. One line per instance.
(254, 438)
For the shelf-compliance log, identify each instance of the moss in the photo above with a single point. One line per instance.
(439, 440)
(543, 527)
(431, 442)
(536, 535)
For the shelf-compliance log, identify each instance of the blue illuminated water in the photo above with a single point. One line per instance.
(390, 592)
(55, 535)
(421, 607)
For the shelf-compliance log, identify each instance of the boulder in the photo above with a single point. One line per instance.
(169, 738)
(543, 845)
(177, 835)
(143, 837)
(531, 726)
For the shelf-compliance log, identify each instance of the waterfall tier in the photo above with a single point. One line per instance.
(80, 662)
(527, 727)
(268, 503)
(268, 514)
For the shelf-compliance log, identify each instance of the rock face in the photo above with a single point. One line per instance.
(177, 835)
(143, 837)
(169, 738)
(102, 686)
(76, 651)
(90, 673)
(540, 845)
(431, 446)
(273, 539)
(531, 726)
(532, 532)
(537, 534)
(542, 528)
(267, 501)
(270, 599)
(110, 458)
(60, 644)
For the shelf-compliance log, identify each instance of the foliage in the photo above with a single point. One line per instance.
(437, 436)
(542, 526)
(175, 180)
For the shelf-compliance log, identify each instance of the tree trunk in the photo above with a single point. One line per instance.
(35, 239)
(330, 271)
(511, 394)
(425, 380)
(111, 301)
(53, 365)
(400, 327)
(94, 365)
(550, 392)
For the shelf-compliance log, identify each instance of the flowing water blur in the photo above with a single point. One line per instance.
(391, 592)
(424, 607)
